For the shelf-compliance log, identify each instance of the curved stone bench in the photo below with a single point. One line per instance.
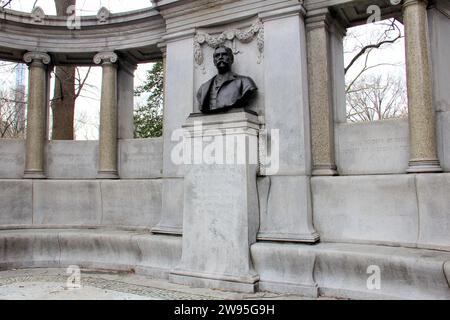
(343, 270)
(329, 269)
(142, 252)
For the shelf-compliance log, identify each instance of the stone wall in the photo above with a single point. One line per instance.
(80, 203)
(138, 159)
(405, 210)
(71, 196)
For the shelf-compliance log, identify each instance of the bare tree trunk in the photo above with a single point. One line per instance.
(63, 102)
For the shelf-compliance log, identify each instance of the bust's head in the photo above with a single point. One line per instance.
(223, 59)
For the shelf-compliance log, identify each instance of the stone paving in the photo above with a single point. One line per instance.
(52, 284)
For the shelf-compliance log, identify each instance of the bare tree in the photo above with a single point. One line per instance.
(376, 98)
(11, 124)
(63, 102)
(5, 3)
(371, 95)
(69, 85)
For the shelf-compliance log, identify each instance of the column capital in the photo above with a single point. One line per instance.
(319, 18)
(128, 65)
(31, 56)
(162, 46)
(105, 57)
(407, 3)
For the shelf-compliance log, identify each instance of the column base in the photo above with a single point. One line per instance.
(246, 284)
(310, 238)
(31, 174)
(158, 229)
(107, 175)
(424, 166)
(324, 170)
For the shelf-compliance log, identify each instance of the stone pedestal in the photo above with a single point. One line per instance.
(221, 216)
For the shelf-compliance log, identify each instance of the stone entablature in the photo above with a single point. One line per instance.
(133, 33)
(143, 29)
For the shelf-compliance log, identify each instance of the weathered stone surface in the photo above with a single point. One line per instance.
(218, 198)
(375, 209)
(344, 270)
(100, 249)
(285, 209)
(12, 158)
(178, 105)
(16, 198)
(378, 147)
(72, 159)
(434, 204)
(108, 132)
(286, 93)
(171, 221)
(130, 203)
(67, 203)
(160, 254)
(439, 29)
(180, 99)
(286, 268)
(93, 249)
(125, 99)
(320, 93)
(338, 72)
(421, 115)
(24, 249)
(36, 129)
(335, 269)
(443, 139)
(140, 158)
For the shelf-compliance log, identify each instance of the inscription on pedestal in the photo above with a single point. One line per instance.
(221, 216)
(373, 148)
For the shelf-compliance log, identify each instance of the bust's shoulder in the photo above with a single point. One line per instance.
(246, 81)
(207, 84)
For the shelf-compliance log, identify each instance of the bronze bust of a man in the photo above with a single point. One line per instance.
(227, 89)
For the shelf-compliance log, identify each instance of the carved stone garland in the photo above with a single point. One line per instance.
(256, 30)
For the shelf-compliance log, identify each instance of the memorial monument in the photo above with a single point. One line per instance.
(221, 213)
(342, 204)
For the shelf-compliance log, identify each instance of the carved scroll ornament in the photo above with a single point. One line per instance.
(255, 31)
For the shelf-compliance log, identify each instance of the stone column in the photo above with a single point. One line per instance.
(422, 122)
(36, 114)
(439, 26)
(163, 48)
(320, 93)
(108, 116)
(125, 98)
